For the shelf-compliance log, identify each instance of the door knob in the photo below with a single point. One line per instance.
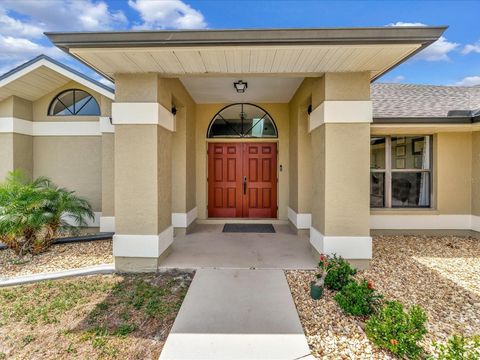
(244, 185)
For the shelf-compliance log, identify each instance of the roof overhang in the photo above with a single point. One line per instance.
(294, 52)
(40, 76)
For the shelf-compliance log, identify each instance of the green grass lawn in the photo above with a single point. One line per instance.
(99, 317)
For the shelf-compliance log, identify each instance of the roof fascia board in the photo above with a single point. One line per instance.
(252, 37)
(61, 69)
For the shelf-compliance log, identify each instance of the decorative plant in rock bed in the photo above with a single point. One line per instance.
(389, 326)
(34, 213)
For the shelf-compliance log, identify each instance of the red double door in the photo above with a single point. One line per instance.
(242, 180)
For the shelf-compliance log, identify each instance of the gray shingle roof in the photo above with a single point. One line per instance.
(406, 100)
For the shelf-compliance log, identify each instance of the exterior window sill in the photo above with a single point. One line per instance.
(410, 211)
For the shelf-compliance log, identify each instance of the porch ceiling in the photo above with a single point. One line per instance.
(292, 52)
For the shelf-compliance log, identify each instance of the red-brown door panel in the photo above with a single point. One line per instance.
(228, 164)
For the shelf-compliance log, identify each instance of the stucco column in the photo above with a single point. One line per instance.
(16, 146)
(476, 180)
(143, 173)
(340, 136)
(107, 220)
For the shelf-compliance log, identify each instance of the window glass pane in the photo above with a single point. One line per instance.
(261, 127)
(377, 190)
(242, 120)
(63, 104)
(377, 153)
(410, 152)
(410, 189)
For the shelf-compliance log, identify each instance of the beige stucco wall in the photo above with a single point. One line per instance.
(108, 174)
(454, 173)
(74, 162)
(476, 173)
(300, 179)
(341, 188)
(14, 106)
(6, 149)
(204, 114)
(40, 106)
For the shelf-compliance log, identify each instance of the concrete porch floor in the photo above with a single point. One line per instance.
(206, 246)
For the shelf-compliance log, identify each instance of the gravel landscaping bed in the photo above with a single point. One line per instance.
(441, 274)
(58, 257)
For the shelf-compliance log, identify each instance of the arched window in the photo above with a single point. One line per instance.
(74, 102)
(242, 121)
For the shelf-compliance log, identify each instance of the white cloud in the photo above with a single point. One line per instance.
(469, 81)
(14, 49)
(14, 27)
(22, 23)
(398, 79)
(401, 23)
(167, 14)
(438, 51)
(68, 15)
(471, 48)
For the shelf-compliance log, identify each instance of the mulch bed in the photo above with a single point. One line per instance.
(442, 274)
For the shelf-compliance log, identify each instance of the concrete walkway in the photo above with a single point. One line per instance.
(237, 314)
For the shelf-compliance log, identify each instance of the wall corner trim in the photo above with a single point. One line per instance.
(106, 125)
(301, 221)
(349, 247)
(107, 224)
(137, 113)
(145, 246)
(340, 112)
(183, 220)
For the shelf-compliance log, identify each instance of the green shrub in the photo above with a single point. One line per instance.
(33, 213)
(358, 299)
(394, 329)
(459, 348)
(339, 273)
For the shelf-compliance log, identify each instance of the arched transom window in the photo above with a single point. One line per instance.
(242, 121)
(74, 102)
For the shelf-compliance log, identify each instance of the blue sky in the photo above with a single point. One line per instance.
(453, 60)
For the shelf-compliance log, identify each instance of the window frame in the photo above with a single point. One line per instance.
(389, 170)
(75, 112)
(241, 136)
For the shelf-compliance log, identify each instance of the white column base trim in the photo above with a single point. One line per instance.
(301, 221)
(183, 220)
(90, 223)
(348, 247)
(149, 246)
(476, 223)
(142, 113)
(421, 222)
(340, 112)
(107, 224)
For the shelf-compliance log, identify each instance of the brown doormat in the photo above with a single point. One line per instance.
(248, 228)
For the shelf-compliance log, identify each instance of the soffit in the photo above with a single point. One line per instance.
(296, 61)
(34, 84)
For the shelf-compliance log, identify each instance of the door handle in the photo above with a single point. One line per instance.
(244, 185)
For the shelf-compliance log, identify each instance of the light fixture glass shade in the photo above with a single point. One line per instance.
(240, 86)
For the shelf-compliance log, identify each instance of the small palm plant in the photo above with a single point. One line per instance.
(34, 213)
